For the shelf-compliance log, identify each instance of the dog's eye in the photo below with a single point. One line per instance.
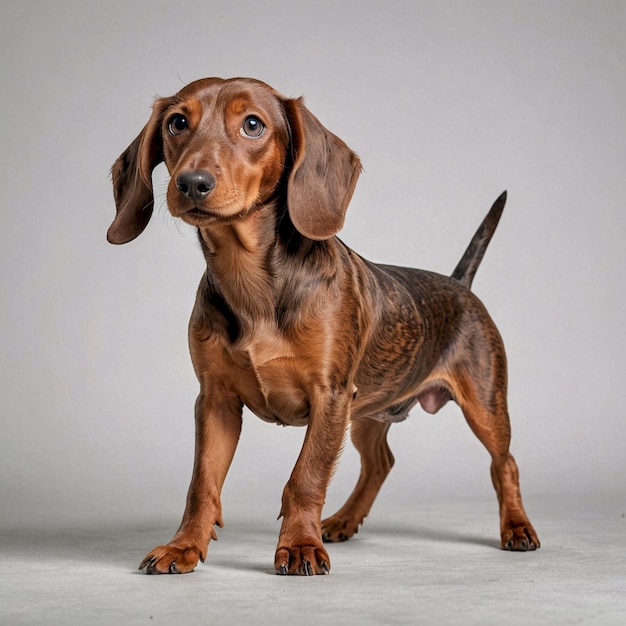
(177, 124)
(252, 127)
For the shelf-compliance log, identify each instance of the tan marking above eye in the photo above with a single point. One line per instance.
(237, 106)
(183, 116)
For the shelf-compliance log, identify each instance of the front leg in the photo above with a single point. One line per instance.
(300, 549)
(218, 426)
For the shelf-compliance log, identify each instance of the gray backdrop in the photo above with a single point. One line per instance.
(447, 103)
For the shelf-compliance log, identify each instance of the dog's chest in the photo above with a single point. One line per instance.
(280, 374)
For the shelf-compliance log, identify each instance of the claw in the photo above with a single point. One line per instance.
(325, 568)
(147, 562)
(308, 569)
(173, 569)
(282, 570)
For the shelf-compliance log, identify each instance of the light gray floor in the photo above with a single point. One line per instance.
(435, 565)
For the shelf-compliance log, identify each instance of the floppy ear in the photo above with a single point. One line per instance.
(132, 180)
(323, 176)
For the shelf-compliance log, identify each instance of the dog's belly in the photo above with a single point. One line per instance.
(394, 413)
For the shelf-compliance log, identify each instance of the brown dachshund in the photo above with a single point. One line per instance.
(296, 326)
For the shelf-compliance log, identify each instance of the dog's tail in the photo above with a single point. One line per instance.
(465, 271)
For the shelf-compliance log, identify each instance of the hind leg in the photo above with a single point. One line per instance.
(370, 439)
(484, 407)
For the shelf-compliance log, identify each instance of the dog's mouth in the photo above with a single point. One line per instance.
(197, 213)
(203, 217)
(196, 216)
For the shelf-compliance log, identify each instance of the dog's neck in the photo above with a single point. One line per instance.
(250, 261)
(237, 260)
(260, 264)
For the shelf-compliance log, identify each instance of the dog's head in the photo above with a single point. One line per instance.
(231, 146)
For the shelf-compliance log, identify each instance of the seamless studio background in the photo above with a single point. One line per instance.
(447, 104)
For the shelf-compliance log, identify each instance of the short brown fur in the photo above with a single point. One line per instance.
(293, 324)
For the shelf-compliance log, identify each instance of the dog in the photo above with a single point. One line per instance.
(293, 324)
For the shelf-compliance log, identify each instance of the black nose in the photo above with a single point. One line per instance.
(196, 185)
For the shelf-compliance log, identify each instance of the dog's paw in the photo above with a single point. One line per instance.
(338, 529)
(520, 539)
(171, 560)
(302, 560)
